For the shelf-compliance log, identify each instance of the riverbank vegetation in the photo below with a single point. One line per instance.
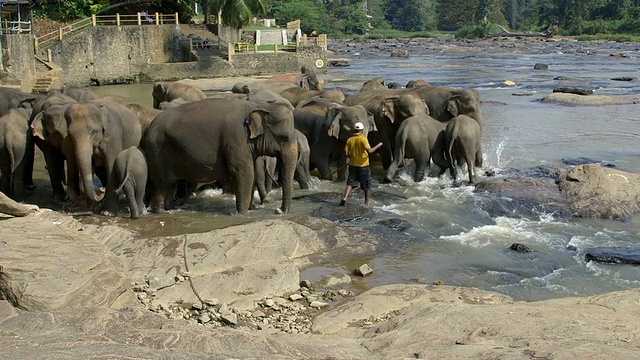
(610, 19)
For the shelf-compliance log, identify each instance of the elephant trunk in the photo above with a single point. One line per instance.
(83, 154)
(289, 158)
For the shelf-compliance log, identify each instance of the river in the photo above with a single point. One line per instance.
(453, 238)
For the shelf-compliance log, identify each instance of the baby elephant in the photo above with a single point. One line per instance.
(463, 138)
(130, 169)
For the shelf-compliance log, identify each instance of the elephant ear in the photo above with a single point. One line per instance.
(334, 128)
(388, 108)
(37, 128)
(371, 120)
(453, 106)
(104, 114)
(255, 124)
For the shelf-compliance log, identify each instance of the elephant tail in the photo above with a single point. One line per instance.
(400, 143)
(450, 140)
(124, 180)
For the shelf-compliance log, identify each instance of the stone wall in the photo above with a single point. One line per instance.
(125, 54)
(18, 60)
(109, 55)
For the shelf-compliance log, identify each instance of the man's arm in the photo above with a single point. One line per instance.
(373, 149)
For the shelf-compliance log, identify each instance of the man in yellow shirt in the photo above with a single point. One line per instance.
(358, 150)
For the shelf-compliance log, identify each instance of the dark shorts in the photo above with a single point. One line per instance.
(359, 176)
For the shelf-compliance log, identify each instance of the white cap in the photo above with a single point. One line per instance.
(359, 126)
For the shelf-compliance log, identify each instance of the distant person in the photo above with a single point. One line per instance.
(144, 15)
(358, 150)
(314, 33)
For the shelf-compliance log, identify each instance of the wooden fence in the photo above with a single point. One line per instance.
(138, 19)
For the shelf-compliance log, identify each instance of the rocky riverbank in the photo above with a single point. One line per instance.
(73, 290)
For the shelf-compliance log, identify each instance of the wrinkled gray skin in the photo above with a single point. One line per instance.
(446, 103)
(14, 128)
(130, 170)
(463, 141)
(246, 87)
(171, 104)
(167, 92)
(415, 83)
(327, 126)
(97, 132)
(265, 169)
(389, 109)
(145, 114)
(219, 139)
(377, 83)
(49, 129)
(13, 98)
(78, 93)
(421, 138)
(296, 95)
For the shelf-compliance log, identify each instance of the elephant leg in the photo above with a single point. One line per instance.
(342, 162)
(5, 183)
(242, 179)
(391, 171)
(29, 159)
(161, 192)
(260, 173)
(321, 160)
(420, 165)
(385, 155)
(130, 193)
(110, 198)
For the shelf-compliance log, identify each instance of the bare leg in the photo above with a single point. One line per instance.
(347, 191)
(367, 196)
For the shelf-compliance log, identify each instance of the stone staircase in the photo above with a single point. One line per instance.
(47, 76)
(202, 33)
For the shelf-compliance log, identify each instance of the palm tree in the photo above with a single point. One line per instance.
(236, 13)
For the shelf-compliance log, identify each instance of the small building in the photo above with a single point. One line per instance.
(15, 16)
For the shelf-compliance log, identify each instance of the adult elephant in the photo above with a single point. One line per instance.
(167, 92)
(246, 87)
(389, 109)
(145, 114)
(97, 131)
(14, 129)
(79, 93)
(463, 141)
(11, 98)
(266, 169)
(49, 130)
(421, 138)
(446, 103)
(327, 126)
(307, 79)
(219, 139)
(296, 95)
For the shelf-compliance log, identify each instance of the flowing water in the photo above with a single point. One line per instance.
(453, 238)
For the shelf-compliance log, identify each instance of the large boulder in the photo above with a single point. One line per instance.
(591, 100)
(596, 191)
(62, 269)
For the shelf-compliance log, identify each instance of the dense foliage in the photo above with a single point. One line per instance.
(573, 17)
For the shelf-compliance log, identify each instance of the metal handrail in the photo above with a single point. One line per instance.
(138, 19)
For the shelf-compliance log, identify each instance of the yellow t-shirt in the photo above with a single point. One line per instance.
(356, 149)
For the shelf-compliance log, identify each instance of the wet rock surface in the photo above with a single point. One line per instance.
(614, 255)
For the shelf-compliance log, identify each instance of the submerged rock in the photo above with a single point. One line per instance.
(614, 255)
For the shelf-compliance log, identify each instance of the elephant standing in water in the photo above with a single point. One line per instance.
(327, 126)
(421, 138)
(219, 139)
(463, 139)
(265, 169)
(130, 170)
(167, 92)
(97, 132)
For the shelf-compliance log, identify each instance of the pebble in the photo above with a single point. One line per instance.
(363, 270)
(212, 302)
(231, 319)
(318, 304)
(295, 297)
(197, 306)
(205, 318)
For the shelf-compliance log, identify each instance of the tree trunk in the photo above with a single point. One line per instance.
(206, 4)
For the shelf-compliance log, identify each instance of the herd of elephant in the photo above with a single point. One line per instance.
(242, 140)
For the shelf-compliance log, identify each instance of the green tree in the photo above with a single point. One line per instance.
(411, 15)
(312, 14)
(236, 13)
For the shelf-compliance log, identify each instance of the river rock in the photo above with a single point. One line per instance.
(62, 269)
(395, 224)
(573, 90)
(623, 78)
(613, 255)
(539, 66)
(521, 248)
(400, 53)
(596, 191)
(591, 100)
